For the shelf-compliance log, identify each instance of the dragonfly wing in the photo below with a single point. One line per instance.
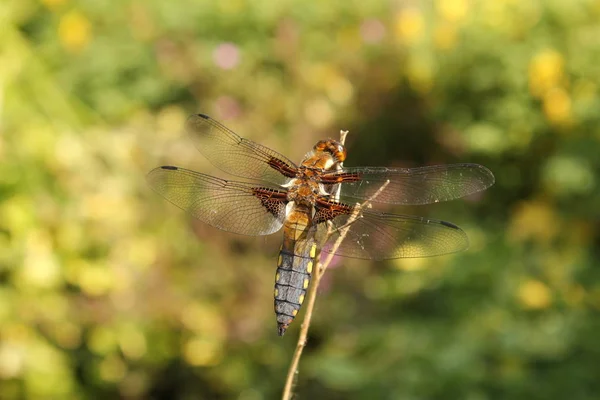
(380, 236)
(236, 155)
(411, 186)
(238, 207)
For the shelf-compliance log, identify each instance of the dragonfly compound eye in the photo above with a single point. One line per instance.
(340, 153)
(321, 145)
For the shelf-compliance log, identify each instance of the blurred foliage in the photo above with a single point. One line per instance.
(107, 291)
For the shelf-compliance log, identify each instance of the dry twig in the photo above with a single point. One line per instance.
(312, 293)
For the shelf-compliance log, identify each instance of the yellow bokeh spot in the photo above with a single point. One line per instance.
(557, 106)
(40, 266)
(140, 252)
(445, 37)
(71, 151)
(534, 295)
(339, 90)
(534, 220)
(453, 10)
(169, 120)
(102, 340)
(12, 360)
(95, 280)
(112, 369)
(74, 31)
(202, 352)
(419, 72)
(132, 342)
(17, 212)
(410, 25)
(319, 74)
(546, 70)
(203, 318)
(46, 367)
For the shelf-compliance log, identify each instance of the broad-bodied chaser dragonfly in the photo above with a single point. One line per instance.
(316, 196)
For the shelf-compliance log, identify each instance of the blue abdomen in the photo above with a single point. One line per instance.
(294, 269)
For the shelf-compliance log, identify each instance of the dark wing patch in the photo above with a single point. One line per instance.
(237, 207)
(236, 155)
(327, 210)
(411, 186)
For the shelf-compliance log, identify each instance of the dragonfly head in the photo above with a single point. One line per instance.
(333, 147)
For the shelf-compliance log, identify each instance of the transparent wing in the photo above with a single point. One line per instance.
(235, 155)
(381, 236)
(411, 186)
(238, 207)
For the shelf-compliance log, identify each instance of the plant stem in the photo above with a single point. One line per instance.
(312, 294)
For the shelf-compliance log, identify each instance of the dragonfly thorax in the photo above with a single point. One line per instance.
(303, 191)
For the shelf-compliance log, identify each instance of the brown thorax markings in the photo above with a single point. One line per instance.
(305, 187)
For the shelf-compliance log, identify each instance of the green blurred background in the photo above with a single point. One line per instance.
(107, 291)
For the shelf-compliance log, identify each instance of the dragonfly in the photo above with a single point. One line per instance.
(313, 202)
